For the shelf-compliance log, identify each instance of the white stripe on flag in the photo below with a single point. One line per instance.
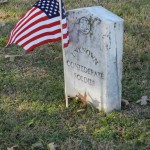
(40, 32)
(65, 31)
(20, 21)
(40, 24)
(24, 20)
(66, 40)
(40, 40)
(31, 21)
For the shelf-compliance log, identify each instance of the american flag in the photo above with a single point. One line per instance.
(40, 25)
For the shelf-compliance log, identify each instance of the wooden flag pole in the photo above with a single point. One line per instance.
(60, 9)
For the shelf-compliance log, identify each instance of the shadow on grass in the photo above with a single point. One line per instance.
(136, 62)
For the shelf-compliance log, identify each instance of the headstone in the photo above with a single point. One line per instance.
(93, 60)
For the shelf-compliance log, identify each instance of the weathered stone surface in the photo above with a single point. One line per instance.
(93, 60)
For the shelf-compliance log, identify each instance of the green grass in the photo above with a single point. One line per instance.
(32, 106)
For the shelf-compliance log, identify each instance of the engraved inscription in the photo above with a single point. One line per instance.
(84, 72)
(84, 25)
(84, 79)
(84, 69)
(87, 52)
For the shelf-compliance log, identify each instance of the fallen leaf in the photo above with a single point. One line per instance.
(81, 126)
(13, 148)
(124, 103)
(143, 101)
(12, 57)
(52, 146)
(83, 98)
(80, 110)
(38, 145)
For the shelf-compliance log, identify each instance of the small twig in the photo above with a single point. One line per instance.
(12, 57)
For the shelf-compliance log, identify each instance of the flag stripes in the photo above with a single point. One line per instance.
(36, 28)
(18, 24)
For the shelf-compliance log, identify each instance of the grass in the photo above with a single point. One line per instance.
(32, 107)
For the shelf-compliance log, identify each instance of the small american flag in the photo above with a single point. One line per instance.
(40, 25)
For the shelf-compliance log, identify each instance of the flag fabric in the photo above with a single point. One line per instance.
(40, 25)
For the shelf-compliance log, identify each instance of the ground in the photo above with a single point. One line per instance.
(32, 106)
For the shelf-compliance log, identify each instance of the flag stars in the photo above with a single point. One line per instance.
(50, 7)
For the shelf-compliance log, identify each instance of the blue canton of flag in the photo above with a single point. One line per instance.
(51, 8)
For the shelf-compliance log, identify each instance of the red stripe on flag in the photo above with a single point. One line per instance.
(66, 44)
(30, 25)
(40, 36)
(29, 19)
(21, 20)
(38, 29)
(65, 35)
(64, 26)
(15, 30)
(41, 43)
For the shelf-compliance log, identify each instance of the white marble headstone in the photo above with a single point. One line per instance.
(93, 60)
